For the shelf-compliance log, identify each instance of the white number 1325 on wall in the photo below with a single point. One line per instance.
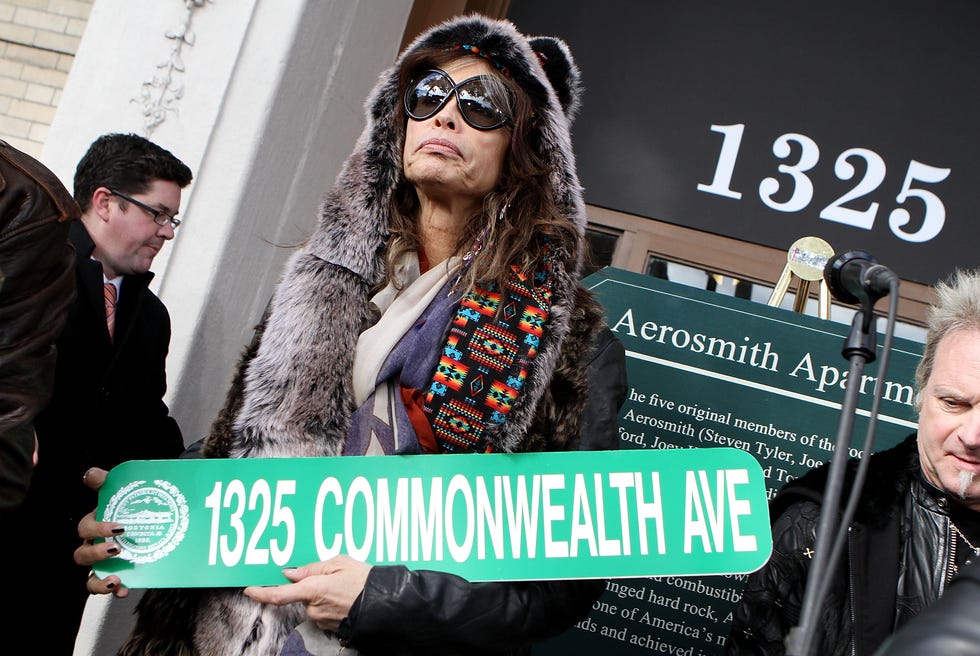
(794, 179)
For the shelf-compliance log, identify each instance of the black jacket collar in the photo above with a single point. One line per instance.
(889, 472)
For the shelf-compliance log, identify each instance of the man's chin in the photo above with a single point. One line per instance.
(965, 482)
(141, 267)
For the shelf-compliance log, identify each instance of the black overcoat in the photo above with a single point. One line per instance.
(107, 407)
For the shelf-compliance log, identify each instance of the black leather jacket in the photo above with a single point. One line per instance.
(947, 628)
(37, 285)
(898, 561)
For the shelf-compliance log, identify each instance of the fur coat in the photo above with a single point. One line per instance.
(292, 394)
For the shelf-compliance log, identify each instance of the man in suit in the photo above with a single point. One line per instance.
(36, 287)
(110, 379)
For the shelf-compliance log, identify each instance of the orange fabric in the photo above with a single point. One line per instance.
(412, 398)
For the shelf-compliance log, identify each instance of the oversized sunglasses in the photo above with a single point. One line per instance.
(482, 100)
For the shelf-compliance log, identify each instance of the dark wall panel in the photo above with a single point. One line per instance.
(767, 121)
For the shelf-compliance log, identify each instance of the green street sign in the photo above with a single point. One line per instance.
(485, 517)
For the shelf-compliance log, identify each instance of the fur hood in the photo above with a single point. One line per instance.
(354, 219)
(293, 394)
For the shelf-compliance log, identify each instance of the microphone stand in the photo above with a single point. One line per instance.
(859, 349)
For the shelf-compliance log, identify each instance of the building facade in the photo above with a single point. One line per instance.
(38, 42)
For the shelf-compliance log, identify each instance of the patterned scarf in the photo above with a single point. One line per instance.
(492, 340)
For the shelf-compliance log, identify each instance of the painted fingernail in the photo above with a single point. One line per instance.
(112, 550)
(110, 585)
(117, 530)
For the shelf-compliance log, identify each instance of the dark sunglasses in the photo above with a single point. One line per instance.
(479, 99)
(159, 216)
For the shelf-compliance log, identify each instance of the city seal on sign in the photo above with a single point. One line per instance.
(155, 516)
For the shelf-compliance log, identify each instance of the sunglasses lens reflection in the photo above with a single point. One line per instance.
(428, 95)
(477, 102)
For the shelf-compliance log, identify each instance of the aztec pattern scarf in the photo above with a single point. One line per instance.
(485, 360)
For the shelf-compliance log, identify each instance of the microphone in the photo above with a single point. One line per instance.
(856, 276)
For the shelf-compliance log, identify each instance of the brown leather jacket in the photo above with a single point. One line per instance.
(37, 284)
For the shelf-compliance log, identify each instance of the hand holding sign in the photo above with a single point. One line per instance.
(327, 589)
(91, 552)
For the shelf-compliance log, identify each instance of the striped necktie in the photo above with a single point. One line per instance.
(109, 292)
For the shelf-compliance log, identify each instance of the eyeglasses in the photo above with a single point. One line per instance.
(159, 216)
(482, 100)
